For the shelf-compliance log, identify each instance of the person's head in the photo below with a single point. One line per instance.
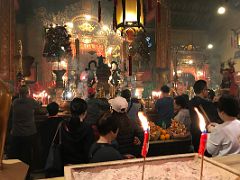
(114, 65)
(180, 103)
(23, 91)
(107, 124)
(165, 90)
(200, 88)
(52, 108)
(211, 94)
(119, 104)
(91, 92)
(126, 93)
(186, 96)
(78, 108)
(228, 107)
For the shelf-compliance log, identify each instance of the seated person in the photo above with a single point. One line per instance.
(182, 113)
(130, 134)
(134, 106)
(103, 150)
(77, 135)
(224, 138)
(49, 127)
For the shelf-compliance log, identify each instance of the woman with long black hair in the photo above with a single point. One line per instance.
(77, 136)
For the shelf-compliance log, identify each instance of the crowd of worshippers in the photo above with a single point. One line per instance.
(105, 130)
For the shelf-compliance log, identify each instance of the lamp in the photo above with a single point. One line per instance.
(128, 14)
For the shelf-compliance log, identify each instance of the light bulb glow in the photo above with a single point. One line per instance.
(210, 46)
(88, 17)
(221, 10)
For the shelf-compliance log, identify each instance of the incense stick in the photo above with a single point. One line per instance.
(143, 170)
(201, 173)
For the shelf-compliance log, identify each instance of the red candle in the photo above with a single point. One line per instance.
(202, 126)
(202, 144)
(145, 144)
(146, 129)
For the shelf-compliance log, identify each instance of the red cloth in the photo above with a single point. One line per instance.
(91, 91)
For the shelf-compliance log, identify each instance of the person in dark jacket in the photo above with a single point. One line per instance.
(103, 149)
(23, 143)
(164, 107)
(77, 135)
(130, 135)
(95, 107)
(49, 127)
(200, 100)
(134, 106)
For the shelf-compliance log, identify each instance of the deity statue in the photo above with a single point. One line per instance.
(92, 79)
(114, 79)
(103, 72)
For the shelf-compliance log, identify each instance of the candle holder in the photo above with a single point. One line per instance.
(59, 74)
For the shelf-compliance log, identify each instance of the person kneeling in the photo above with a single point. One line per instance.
(102, 150)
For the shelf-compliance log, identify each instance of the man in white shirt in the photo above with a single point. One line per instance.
(225, 138)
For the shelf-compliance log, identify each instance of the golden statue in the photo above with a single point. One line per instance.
(5, 103)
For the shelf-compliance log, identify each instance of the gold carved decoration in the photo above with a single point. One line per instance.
(86, 27)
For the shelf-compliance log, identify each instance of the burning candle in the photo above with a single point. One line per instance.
(203, 139)
(202, 126)
(145, 146)
(146, 129)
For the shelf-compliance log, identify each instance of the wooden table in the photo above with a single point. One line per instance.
(13, 169)
(231, 160)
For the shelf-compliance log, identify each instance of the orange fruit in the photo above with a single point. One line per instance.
(164, 132)
(162, 137)
(167, 136)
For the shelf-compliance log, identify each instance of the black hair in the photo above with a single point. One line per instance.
(92, 62)
(229, 105)
(77, 107)
(181, 101)
(211, 94)
(126, 93)
(23, 90)
(186, 96)
(91, 95)
(199, 86)
(52, 108)
(107, 123)
(165, 89)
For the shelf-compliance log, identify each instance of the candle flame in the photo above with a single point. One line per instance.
(202, 123)
(143, 120)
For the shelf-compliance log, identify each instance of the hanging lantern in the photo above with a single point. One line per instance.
(128, 14)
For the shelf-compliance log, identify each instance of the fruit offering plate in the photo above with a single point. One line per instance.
(174, 167)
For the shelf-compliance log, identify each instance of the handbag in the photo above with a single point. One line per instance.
(54, 163)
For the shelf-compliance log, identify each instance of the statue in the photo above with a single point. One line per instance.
(92, 79)
(114, 79)
(103, 72)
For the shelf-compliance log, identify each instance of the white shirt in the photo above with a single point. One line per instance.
(225, 139)
(184, 117)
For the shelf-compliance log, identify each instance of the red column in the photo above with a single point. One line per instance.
(7, 21)
(163, 61)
